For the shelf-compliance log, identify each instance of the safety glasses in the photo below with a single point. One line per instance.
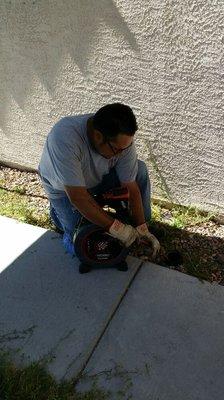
(116, 150)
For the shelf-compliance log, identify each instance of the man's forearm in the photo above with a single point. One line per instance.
(136, 207)
(93, 212)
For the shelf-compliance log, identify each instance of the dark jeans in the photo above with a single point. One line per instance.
(66, 217)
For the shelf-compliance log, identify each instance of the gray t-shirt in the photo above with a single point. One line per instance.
(69, 159)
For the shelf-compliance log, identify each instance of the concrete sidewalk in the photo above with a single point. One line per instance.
(47, 308)
(165, 342)
(161, 339)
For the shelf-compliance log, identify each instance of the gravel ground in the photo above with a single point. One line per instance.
(30, 181)
(205, 239)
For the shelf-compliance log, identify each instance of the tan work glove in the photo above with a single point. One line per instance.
(144, 232)
(127, 234)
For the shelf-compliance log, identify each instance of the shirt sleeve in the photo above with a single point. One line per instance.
(66, 160)
(127, 165)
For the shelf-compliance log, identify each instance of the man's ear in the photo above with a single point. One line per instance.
(99, 136)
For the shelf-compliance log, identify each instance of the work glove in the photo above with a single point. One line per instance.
(127, 234)
(144, 233)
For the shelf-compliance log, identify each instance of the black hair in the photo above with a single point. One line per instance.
(113, 119)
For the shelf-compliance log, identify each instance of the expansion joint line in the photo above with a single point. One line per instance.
(79, 375)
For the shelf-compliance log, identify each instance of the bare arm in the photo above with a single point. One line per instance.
(135, 203)
(88, 207)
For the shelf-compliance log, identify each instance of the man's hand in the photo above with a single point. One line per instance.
(127, 234)
(144, 233)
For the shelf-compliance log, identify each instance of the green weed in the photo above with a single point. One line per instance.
(33, 382)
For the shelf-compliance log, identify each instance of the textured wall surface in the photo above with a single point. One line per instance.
(163, 58)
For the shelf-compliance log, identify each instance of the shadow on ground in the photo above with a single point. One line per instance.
(189, 252)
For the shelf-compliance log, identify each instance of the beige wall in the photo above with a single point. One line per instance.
(163, 58)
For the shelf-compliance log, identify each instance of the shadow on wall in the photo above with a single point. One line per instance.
(36, 35)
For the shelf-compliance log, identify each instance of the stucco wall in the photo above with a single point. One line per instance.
(163, 58)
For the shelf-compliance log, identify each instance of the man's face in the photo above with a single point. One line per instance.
(114, 147)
